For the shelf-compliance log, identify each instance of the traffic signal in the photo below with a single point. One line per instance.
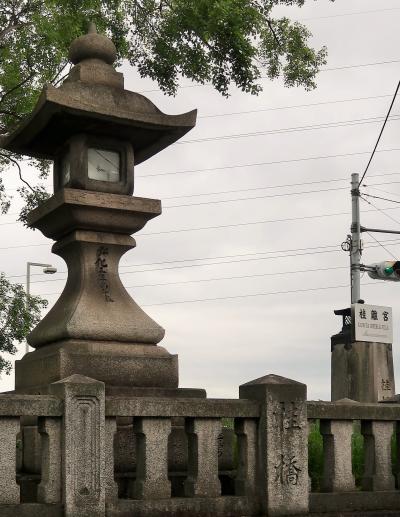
(388, 270)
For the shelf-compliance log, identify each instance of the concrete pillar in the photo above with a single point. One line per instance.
(338, 475)
(84, 445)
(282, 444)
(246, 478)
(202, 479)
(9, 490)
(152, 458)
(49, 489)
(362, 371)
(378, 455)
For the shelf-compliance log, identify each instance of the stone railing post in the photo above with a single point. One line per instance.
(282, 484)
(152, 458)
(378, 455)
(49, 489)
(83, 432)
(246, 479)
(9, 490)
(338, 475)
(202, 480)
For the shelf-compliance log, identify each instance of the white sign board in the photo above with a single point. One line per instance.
(372, 323)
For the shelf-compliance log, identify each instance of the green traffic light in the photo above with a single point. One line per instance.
(388, 270)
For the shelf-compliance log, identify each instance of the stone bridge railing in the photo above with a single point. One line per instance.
(78, 453)
(376, 428)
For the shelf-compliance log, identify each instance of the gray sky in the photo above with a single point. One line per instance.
(248, 332)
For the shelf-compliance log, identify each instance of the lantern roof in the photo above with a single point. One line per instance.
(93, 100)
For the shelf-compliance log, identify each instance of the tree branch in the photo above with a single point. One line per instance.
(17, 86)
(7, 157)
(271, 28)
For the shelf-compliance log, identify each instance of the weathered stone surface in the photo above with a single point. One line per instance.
(84, 446)
(185, 507)
(182, 407)
(9, 490)
(29, 405)
(111, 485)
(73, 209)
(378, 455)
(362, 371)
(49, 489)
(152, 458)
(94, 305)
(202, 479)
(116, 364)
(282, 440)
(353, 411)
(338, 475)
(358, 501)
(32, 510)
(31, 440)
(246, 478)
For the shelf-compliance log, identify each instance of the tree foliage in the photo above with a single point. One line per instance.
(221, 42)
(18, 316)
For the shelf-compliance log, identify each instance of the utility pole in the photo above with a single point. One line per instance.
(355, 244)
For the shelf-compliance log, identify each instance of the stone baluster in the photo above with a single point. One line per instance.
(282, 488)
(246, 431)
(9, 490)
(111, 485)
(338, 475)
(202, 479)
(83, 429)
(49, 489)
(152, 458)
(378, 455)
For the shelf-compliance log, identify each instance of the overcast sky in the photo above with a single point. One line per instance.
(255, 210)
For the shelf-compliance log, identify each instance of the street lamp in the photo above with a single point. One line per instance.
(48, 269)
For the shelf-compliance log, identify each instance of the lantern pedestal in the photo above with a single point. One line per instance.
(95, 328)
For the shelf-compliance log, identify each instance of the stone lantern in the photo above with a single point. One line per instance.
(95, 131)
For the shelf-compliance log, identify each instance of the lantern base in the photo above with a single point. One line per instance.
(118, 365)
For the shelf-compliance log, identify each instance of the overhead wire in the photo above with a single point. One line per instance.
(382, 246)
(331, 69)
(293, 106)
(379, 210)
(259, 164)
(215, 227)
(313, 251)
(380, 134)
(294, 129)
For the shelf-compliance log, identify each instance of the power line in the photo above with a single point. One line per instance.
(382, 198)
(234, 225)
(294, 106)
(259, 164)
(278, 273)
(219, 201)
(250, 223)
(380, 134)
(315, 251)
(281, 186)
(295, 129)
(291, 291)
(350, 14)
(382, 246)
(380, 210)
(332, 69)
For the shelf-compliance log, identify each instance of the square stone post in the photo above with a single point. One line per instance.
(83, 442)
(282, 484)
